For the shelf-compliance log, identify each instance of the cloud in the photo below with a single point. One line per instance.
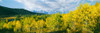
(0, 0)
(51, 5)
(96, 0)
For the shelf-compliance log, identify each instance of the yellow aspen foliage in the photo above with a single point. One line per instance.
(14, 23)
(41, 23)
(26, 28)
(6, 20)
(5, 25)
(17, 26)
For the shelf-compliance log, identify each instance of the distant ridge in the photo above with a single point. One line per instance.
(5, 11)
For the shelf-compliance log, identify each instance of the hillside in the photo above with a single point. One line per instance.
(4, 11)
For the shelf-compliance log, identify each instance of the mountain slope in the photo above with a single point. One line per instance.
(4, 11)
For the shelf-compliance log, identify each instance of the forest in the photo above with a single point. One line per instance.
(85, 19)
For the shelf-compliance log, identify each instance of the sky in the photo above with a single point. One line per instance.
(46, 6)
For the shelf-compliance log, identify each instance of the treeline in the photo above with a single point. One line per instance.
(85, 19)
